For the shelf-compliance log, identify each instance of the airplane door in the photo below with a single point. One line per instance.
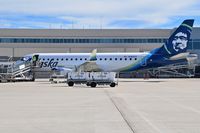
(35, 59)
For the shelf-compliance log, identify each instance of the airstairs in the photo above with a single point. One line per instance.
(186, 70)
(16, 71)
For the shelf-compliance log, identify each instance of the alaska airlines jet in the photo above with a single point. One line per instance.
(171, 52)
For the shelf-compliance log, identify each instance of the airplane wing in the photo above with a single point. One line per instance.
(87, 66)
(90, 65)
(62, 69)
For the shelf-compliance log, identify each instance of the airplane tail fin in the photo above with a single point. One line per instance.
(178, 41)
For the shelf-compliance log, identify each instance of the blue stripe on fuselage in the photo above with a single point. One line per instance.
(153, 60)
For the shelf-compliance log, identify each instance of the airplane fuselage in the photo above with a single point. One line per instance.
(114, 62)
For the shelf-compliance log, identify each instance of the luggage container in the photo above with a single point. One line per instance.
(92, 78)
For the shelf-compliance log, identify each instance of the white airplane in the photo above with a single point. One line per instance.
(173, 51)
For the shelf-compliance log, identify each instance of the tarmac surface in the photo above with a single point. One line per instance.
(135, 106)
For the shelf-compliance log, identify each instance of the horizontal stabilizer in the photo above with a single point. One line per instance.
(179, 56)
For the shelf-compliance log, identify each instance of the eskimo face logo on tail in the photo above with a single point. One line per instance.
(180, 41)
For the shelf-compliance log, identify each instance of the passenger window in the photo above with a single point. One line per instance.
(115, 58)
(130, 58)
(85, 58)
(43, 59)
(76, 59)
(100, 58)
(80, 58)
(57, 59)
(125, 59)
(120, 58)
(66, 59)
(105, 59)
(135, 58)
(71, 58)
(110, 58)
(62, 59)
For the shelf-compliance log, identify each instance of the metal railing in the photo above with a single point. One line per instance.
(175, 70)
(12, 70)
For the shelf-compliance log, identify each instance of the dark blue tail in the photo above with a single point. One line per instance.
(178, 41)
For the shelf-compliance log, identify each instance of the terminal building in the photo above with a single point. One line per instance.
(19, 42)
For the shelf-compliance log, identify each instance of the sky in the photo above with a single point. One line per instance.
(97, 14)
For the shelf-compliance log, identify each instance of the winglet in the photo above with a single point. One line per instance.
(93, 56)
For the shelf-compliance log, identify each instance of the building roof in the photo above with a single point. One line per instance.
(139, 33)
